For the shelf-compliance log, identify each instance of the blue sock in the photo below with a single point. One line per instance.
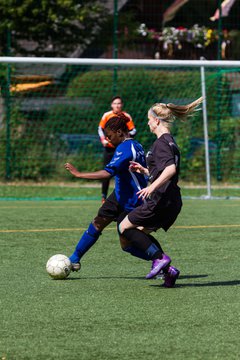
(137, 253)
(153, 252)
(87, 240)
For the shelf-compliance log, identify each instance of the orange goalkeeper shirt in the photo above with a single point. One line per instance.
(107, 116)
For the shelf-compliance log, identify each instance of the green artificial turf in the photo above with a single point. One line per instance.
(50, 192)
(108, 310)
(83, 190)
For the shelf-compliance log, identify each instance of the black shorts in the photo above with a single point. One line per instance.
(111, 208)
(153, 217)
(107, 155)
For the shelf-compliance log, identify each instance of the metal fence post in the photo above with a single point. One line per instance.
(8, 111)
(219, 96)
(115, 46)
(205, 128)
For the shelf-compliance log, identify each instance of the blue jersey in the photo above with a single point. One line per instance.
(127, 183)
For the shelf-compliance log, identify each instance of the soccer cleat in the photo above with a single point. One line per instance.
(158, 265)
(76, 266)
(161, 275)
(171, 277)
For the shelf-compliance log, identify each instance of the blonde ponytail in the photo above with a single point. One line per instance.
(169, 112)
(183, 111)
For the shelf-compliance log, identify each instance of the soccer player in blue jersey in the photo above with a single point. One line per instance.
(124, 197)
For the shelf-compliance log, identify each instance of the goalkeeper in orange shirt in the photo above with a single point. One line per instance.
(116, 105)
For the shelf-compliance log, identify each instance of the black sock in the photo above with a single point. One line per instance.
(152, 238)
(141, 241)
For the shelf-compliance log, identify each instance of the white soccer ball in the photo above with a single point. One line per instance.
(59, 266)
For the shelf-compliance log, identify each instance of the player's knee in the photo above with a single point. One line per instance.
(125, 225)
(100, 222)
(129, 234)
(122, 227)
(124, 243)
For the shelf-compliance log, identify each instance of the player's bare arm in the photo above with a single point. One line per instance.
(96, 175)
(166, 175)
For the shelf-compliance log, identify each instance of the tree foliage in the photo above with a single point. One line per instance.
(50, 27)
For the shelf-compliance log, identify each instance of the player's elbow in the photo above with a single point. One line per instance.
(133, 132)
(172, 170)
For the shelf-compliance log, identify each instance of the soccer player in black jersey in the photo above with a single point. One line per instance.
(162, 198)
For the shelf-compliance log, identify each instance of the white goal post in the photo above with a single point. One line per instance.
(121, 62)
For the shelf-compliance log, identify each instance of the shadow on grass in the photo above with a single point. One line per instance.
(214, 283)
(130, 277)
(106, 278)
(193, 276)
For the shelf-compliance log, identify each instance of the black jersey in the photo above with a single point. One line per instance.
(164, 152)
(162, 207)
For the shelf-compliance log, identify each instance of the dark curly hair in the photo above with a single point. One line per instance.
(118, 122)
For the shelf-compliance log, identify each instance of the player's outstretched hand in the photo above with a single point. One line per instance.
(71, 169)
(136, 167)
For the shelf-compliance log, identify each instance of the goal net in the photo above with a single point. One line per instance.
(50, 110)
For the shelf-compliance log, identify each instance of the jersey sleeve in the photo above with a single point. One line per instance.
(130, 123)
(103, 121)
(163, 155)
(101, 133)
(101, 127)
(120, 161)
